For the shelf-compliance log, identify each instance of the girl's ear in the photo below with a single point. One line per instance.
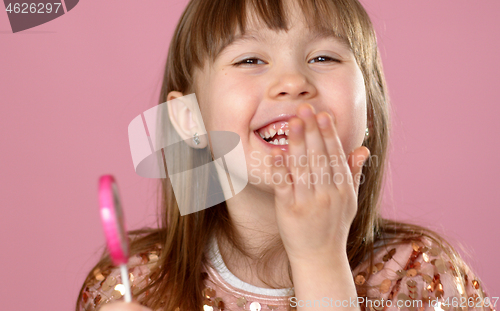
(185, 116)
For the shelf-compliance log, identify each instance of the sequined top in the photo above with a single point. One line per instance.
(415, 276)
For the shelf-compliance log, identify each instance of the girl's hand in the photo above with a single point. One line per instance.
(123, 306)
(315, 211)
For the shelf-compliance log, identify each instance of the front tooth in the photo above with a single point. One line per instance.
(286, 132)
(267, 135)
(280, 132)
(282, 141)
(262, 136)
(272, 132)
(275, 141)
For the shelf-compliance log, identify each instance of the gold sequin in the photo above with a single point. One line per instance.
(208, 292)
(401, 273)
(475, 284)
(116, 294)
(85, 296)
(427, 278)
(360, 278)
(120, 288)
(208, 302)
(413, 295)
(415, 246)
(426, 257)
(411, 283)
(379, 266)
(385, 286)
(153, 257)
(208, 308)
(255, 306)
(430, 287)
(219, 303)
(403, 297)
(411, 272)
(434, 251)
(135, 290)
(108, 283)
(96, 271)
(389, 255)
(425, 294)
(439, 290)
(241, 302)
(440, 266)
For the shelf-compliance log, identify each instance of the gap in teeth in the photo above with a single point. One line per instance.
(269, 133)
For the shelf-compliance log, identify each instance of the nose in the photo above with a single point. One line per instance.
(292, 84)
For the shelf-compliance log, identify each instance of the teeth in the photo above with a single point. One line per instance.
(272, 132)
(282, 141)
(286, 132)
(262, 136)
(280, 132)
(275, 142)
(267, 135)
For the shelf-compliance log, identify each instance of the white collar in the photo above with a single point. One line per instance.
(219, 265)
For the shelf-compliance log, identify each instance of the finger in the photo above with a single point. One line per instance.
(282, 182)
(339, 165)
(356, 160)
(316, 149)
(297, 160)
(123, 306)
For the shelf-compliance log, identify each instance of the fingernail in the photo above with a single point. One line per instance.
(306, 111)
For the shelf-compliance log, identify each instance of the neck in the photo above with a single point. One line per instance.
(256, 228)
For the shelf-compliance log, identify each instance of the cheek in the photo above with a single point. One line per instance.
(351, 114)
(231, 104)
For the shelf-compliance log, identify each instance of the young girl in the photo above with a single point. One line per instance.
(301, 83)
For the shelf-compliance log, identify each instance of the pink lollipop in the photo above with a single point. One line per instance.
(114, 228)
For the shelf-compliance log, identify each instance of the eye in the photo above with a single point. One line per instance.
(248, 61)
(329, 59)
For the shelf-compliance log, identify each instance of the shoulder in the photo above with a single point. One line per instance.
(104, 283)
(418, 274)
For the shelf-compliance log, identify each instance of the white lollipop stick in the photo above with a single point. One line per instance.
(126, 283)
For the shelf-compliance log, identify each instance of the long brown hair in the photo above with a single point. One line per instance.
(204, 29)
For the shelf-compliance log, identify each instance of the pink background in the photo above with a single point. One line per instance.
(70, 87)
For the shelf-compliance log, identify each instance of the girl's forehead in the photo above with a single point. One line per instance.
(295, 18)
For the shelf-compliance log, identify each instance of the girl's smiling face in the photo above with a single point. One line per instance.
(262, 78)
